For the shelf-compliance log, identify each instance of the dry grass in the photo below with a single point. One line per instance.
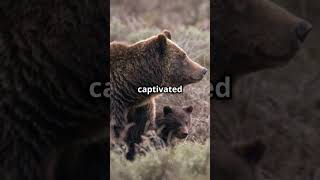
(186, 161)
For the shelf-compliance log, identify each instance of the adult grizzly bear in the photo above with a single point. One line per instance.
(147, 63)
(251, 35)
(50, 54)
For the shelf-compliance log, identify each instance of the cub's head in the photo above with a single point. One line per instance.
(250, 35)
(175, 122)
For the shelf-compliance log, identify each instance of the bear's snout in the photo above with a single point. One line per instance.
(204, 71)
(183, 132)
(302, 30)
(197, 76)
(196, 71)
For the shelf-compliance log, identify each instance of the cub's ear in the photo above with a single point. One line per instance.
(167, 110)
(188, 109)
(167, 33)
(250, 152)
(162, 43)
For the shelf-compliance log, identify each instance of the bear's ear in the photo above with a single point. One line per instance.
(188, 109)
(162, 42)
(250, 152)
(167, 33)
(167, 110)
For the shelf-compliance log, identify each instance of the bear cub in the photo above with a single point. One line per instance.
(173, 123)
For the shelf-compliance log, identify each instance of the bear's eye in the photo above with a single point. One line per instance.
(184, 62)
(182, 56)
(176, 125)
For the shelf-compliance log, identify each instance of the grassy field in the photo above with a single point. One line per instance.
(188, 22)
(186, 161)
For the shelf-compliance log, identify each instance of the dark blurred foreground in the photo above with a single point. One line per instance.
(282, 106)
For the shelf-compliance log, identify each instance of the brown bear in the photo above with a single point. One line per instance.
(251, 35)
(173, 122)
(248, 36)
(238, 161)
(50, 54)
(156, 61)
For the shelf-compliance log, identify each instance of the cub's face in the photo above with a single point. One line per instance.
(259, 33)
(179, 68)
(177, 121)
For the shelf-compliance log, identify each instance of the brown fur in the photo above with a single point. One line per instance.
(173, 122)
(154, 61)
(50, 54)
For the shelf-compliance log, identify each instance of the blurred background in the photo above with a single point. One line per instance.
(282, 106)
(189, 24)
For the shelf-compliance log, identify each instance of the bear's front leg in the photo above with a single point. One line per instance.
(142, 117)
(118, 120)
